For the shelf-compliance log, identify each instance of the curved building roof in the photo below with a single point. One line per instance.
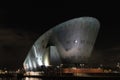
(68, 42)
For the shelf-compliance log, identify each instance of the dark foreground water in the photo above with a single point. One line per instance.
(68, 78)
(15, 78)
(88, 76)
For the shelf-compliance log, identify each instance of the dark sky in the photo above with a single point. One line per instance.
(20, 27)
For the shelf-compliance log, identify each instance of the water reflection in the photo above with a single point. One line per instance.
(15, 78)
(9, 78)
(27, 78)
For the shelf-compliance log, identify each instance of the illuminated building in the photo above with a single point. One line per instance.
(67, 43)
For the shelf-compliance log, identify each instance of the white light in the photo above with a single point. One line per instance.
(46, 62)
(30, 64)
(39, 61)
(26, 78)
(26, 66)
(76, 41)
(34, 64)
(35, 51)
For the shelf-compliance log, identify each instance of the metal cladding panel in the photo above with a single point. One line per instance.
(74, 39)
(54, 56)
(71, 41)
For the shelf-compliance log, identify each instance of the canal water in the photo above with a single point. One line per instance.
(15, 78)
(80, 78)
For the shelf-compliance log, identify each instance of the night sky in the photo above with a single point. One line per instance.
(20, 28)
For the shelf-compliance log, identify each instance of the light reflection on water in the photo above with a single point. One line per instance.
(26, 78)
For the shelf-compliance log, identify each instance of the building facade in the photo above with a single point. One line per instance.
(67, 43)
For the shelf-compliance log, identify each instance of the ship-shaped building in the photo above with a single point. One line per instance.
(70, 42)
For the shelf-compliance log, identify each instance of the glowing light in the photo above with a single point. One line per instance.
(35, 51)
(39, 60)
(46, 59)
(30, 64)
(34, 64)
(46, 62)
(25, 66)
(76, 41)
(26, 78)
